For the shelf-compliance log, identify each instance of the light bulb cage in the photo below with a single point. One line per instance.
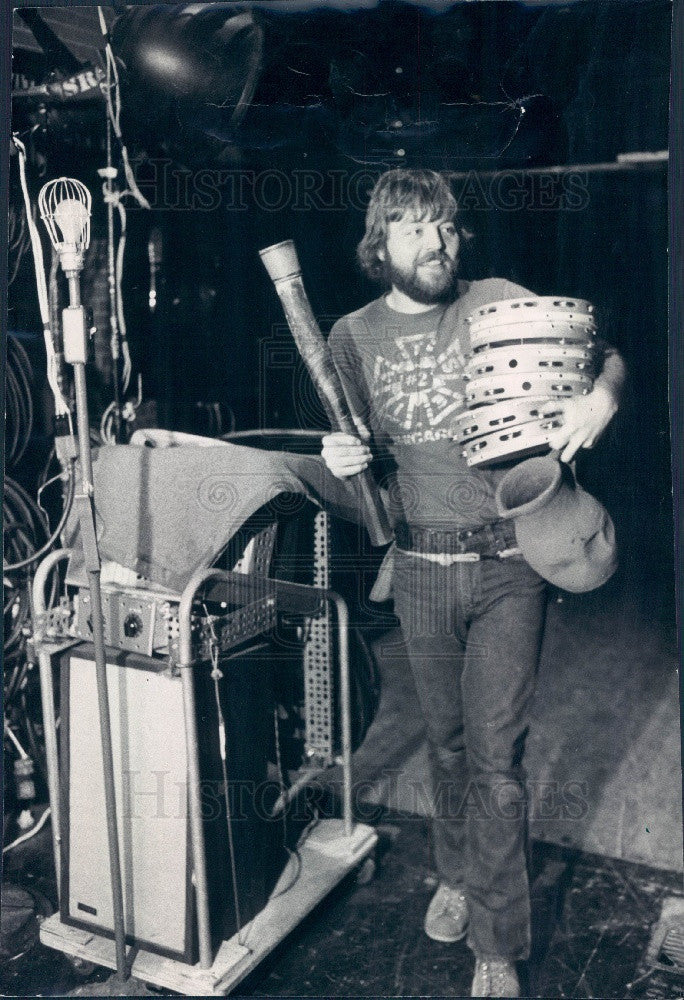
(52, 195)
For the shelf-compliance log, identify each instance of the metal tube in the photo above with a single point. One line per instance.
(92, 563)
(47, 700)
(51, 757)
(74, 288)
(83, 428)
(108, 770)
(345, 709)
(199, 859)
(196, 827)
(40, 580)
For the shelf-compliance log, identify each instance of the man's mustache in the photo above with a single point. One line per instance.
(437, 255)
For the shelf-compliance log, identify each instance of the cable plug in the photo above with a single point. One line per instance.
(25, 819)
(66, 445)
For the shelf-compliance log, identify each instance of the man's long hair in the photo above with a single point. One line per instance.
(425, 194)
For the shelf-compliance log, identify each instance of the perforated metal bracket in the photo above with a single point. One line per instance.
(58, 619)
(238, 626)
(318, 665)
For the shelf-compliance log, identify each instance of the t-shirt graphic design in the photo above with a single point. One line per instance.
(419, 389)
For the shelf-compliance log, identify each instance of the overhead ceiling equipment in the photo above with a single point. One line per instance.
(189, 75)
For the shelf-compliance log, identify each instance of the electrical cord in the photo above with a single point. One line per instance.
(31, 833)
(216, 676)
(15, 611)
(16, 681)
(22, 359)
(44, 485)
(18, 502)
(111, 90)
(12, 420)
(27, 534)
(44, 549)
(112, 85)
(120, 251)
(61, 407)
(128, 412)
(19, 402)
(46, 468)
(19, 239)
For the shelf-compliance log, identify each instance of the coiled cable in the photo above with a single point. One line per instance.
(19, 401)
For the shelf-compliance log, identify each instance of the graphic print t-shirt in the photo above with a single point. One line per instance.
(403, 375)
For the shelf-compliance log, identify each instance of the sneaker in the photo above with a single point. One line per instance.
(495, 977)
(447, 915)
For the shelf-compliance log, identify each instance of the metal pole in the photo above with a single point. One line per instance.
(199, 857)
(196, 827)
(108, 770)
(51, 756)
(343, 640)
(84, 505)
(47, 700)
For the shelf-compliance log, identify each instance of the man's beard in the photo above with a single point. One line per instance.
(419, 283)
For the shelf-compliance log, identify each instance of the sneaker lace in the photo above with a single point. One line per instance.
(496, 973)
(451, 901)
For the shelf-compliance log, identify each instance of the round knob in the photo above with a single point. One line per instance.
(133, 625)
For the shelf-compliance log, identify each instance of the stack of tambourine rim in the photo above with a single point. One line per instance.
(526, 355)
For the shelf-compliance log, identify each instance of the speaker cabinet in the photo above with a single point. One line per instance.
(150, 768)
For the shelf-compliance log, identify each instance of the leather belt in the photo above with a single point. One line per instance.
(489, 541)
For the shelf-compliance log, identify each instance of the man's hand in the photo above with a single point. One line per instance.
(584, 420)
(345, 455)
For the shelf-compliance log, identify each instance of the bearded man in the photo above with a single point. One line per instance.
(471, 609)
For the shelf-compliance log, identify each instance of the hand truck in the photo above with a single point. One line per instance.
(333, 849)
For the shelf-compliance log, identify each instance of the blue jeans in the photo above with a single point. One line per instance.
(473, 632)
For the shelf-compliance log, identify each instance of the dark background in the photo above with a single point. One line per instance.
(593, 80)
(483, 87)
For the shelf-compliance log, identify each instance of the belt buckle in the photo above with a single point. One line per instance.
(467, 556)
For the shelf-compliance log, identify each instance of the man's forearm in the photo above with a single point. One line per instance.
(613, 373)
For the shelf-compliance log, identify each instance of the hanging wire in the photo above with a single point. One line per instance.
(216, 675)
(26, 525)
(19, 401)
(21, 548)
(113, 198)
(25, 522)
(19, 239)
(118, 320)
(27, 532)
(26, 528)
(128, 412)
(121, 249)
(61, 407)
(112, 86)
(31, 833)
